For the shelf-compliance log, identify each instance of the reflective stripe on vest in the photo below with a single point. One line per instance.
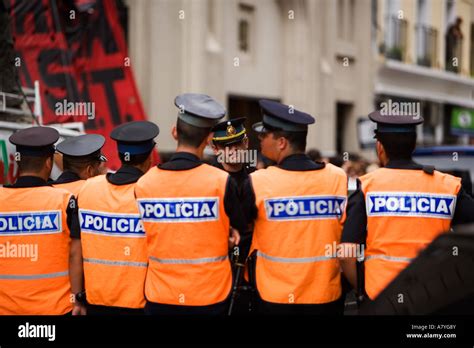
(406, 210)
(74, 187)
(294, 259)
(113, 244)
(389, 258)
(300, 214)
(189, 261)
(187, 234)
(35, 285)
(34, 276)
(116, 263)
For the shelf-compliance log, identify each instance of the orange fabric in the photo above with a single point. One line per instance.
(113, 244)
(187, 233)
(403, 217)
(34, 218)
(298, 225)
(73, 187)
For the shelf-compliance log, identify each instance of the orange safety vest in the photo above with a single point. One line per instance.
(406, 210)
(113, 244)
(187, 235)
(299, 224)
(34, 251)
(74, 186)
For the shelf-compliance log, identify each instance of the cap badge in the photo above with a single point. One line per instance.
(230, 130)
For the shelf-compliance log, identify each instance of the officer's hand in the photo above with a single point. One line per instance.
(79, 309)
(234, 238)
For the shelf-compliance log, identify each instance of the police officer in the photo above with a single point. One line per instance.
(399, 209)
(36, 215)
(297, 207)
(113, 242)
(187, 209)
(230, 145)
(82, 159)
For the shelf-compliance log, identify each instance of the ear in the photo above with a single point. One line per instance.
(209, 137)
(214, 148)
(49, 164)
(174, 133)
(90, 170)
(380, 150)
(58, 160)
(282, 143)
(149, 161)
(208, 140)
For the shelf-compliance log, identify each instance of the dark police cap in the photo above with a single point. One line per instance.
(390, 123)
(87, 146)
(277, 116)
(135, 137)
(199, 110)
(35, 141)
(229, 132)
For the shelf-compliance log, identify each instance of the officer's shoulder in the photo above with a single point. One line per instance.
(447, 178)
(57, 190)
(215, 170)
(61, 193)
(150, 173)
(373, 175)
(150, 176)
(260, 172)
(95, 180)
(335, 169)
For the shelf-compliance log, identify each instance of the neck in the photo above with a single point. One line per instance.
(142, 167)
(233, 168)
(82, 175)
(388, 160)
(198, 151)
(285, 154)
(43, 176)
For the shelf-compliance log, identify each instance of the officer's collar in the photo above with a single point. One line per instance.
(66, 177)
(403, 164)
(181, 161)
(28, 181)
(300, 162)
(186, 156)
(124, 176)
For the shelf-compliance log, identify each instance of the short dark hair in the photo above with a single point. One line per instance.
(191, 135)
(398, 145)
(133, 160)
(77, 166)
(32, 163)
(297, 140)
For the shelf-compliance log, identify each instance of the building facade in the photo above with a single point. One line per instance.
(423, 57)
(335, 59)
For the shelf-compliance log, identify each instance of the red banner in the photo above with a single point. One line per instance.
(78, 53)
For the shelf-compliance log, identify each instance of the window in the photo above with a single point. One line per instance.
(426, 37)
(395, 31)
(246, 19)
